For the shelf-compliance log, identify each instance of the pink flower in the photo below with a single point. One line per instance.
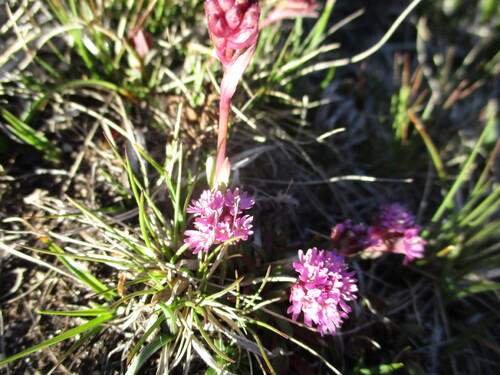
(323, 287)
(199, 239)
(411, 245)
(395, 218)
(291, 9)
(395, 231)
(238, 202)
(218, 219)
(349, 238)
(233, 27)
(208, 204)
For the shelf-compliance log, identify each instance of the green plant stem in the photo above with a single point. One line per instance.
(447, 202)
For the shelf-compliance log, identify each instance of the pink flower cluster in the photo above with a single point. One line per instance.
(393, 231)
(233, 26)
(323, 287)
(219, 219)
(350, 238)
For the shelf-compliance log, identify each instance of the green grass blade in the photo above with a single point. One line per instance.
(225, 290)
(431, 148)
(69, 19)
(169, 314)
(207, 339)
(83, 275)
(96, 83)
(158, 167)
(144, 337)
(178, 213)
(31, 136)
(63, 336)
(87, 336)
(99, 223)
(317, 33)
(462, 177)
(86, 312)
(132, 295)
(187, 202)
(147, 352)
(206, 357)
(127, 284)
(489, 231)
(143, 220)
(139, 194)
(381, 369)
(262, 351)
(116, 184)
(107, 260)
(485, 210)
(474, 289)
(259, 291)
(299, 343)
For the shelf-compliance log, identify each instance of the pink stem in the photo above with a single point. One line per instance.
(222, 134)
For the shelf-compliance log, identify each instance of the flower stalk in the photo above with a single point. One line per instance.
(234, 31)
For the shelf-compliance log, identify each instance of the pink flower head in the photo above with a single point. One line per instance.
(219, 219)
(349, 238)
(395, 217)
(291, 9)
(323, 287)
(395, 231)
(233, 27)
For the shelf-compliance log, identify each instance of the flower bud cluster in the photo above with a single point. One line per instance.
(233, 26)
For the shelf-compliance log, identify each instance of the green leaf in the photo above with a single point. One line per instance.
(31, 136)
(209, 341)
(169, 316)
(63, 336)
(463, 175)
(474, 289)
(145, 336)
(101, 224)
(159, 168)
(147, 352)
(262, 351)
(94, 331)
(100, 84)
(86, 312)
(318, 32)
(225, 290)
(381, 369)
(83, 275)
